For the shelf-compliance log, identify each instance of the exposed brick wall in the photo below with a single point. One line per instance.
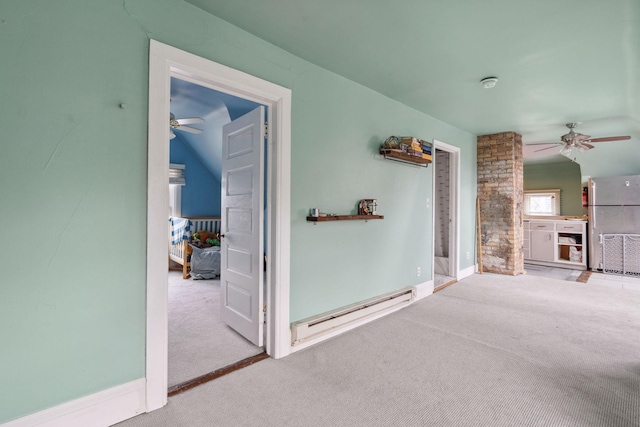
(500, 171)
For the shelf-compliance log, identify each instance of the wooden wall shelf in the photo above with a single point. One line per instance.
(343, 218)
(405, 158)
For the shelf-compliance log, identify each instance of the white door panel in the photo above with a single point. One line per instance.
(242, 217)
(240, 221)
(239, 261)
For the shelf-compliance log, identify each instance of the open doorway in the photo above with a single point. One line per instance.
(445, 215)
(166, 62)
(199, 342)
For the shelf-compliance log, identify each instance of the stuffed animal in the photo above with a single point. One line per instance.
(204, 239)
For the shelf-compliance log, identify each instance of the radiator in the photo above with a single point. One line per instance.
(621, 254)
(312, 327)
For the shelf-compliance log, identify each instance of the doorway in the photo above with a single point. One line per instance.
(445, 214)
(199, 340)
(166, 62)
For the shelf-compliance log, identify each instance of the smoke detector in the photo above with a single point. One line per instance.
(489, 82)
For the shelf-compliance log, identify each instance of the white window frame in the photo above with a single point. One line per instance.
(176, 181)
(555, 203)
(175, 200)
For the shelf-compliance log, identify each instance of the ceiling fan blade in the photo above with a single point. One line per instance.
(610, 138)
(581, 137)
(542, 149)
(190, 121)
(587, 146)
(547, 143)
(171, 134)
(190, 129)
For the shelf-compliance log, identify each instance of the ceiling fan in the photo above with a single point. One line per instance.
(178, 124)
(577, 140)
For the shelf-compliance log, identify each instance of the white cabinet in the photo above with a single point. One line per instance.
(558, 243)
(542, 245)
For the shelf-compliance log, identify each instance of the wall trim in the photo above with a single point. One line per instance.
(469, 271)
(100, 409)
(423, 290)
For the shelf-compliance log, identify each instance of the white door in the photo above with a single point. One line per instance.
(241, 275)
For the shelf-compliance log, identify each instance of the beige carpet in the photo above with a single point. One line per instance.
(487, 351)
(199, 342)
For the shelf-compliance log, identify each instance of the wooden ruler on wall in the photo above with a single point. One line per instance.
(479, 234)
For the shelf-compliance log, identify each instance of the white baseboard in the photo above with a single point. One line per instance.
(423, 290)
(100, 409)
(469, 271)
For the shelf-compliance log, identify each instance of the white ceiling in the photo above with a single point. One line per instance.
(557, 61)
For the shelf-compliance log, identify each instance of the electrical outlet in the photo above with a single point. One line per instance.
(418, 272)
(428, 203)
(468, 254)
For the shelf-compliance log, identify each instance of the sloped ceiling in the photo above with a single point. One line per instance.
(557, 61)
(216, 108)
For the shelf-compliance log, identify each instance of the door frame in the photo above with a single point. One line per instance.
(454, 207)
(165, 62)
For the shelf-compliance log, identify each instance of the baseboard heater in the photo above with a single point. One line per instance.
(312, 327)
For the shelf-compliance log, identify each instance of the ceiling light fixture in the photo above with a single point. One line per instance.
(489, 82)
(566, 151)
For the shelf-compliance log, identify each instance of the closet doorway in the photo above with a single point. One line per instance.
(445, 215)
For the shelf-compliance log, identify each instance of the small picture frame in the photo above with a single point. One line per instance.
(367, 207)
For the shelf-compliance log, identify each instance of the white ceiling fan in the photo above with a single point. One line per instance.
(577, 140)
(178, 124)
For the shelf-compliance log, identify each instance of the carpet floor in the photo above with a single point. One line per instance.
(199, 342)
(489, 350)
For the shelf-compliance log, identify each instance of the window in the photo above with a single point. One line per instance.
(542, 202)
(175, 200)
(176, 181)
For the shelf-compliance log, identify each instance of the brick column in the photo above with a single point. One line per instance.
(500, 172)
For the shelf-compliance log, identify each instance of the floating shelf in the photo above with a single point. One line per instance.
(343, 218)
(404, 157)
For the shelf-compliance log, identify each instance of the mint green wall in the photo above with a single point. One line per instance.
(564, 175)
(610, 159)
(73, 186)
(335, 164)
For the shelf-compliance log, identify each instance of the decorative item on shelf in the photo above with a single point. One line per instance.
(373, 207)
(392, 142)
(367, 207)
(407, 149)
(314, 212)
